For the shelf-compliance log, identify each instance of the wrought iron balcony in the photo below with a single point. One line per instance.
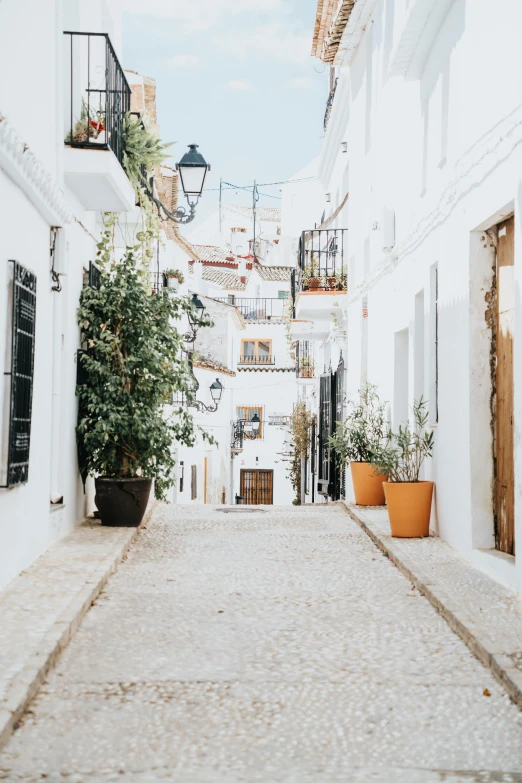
(265, 309)
(305, 364)
(158, 281)
(329, 104)
(322, 264)
(257, 360)
(97, 93)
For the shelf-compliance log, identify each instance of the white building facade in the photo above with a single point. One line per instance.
(423, 171)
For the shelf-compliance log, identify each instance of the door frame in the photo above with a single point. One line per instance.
(257, 471)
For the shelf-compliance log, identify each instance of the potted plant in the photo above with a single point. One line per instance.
(130, 363)
(310, 278)
(400, 459)
(174, 278)
(356, 441)
(306, 367)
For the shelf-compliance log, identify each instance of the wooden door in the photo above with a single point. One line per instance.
(257, 487)
(504, 441)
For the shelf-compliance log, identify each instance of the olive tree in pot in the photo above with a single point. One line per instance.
(408, 499)
(129, 366)
(356, 440)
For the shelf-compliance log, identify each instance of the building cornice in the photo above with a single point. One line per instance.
(30, 175)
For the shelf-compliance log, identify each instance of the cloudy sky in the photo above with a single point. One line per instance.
(236, 77)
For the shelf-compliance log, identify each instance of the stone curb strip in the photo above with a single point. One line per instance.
(479, 616)
(24, 686)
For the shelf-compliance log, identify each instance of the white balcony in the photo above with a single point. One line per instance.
(97, 180)
(318, 306)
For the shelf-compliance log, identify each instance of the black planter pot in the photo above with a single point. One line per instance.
(122, 502)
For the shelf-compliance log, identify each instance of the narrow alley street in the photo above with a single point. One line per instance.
(265, 645)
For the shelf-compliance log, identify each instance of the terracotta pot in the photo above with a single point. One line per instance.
(367, 484)
(409, 508)
(122, 502)
(314, 282)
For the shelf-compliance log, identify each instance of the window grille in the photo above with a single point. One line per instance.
(94, 276)
(21, 374)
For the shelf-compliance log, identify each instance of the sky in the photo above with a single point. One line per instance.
(237, 78)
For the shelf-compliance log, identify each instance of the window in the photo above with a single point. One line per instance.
(246, 413)
(193, 482)
(256, 352)
(181, 475)
(20, 371)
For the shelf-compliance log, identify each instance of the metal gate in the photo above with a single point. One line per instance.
(325, 406)
(21, 372)
(335, 489)
(257, 487)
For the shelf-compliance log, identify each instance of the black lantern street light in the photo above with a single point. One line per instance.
(216, 390)
(192, 172)
(256, 424)
(195, 316)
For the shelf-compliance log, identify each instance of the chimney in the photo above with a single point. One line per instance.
(238, 243)
(241, 269)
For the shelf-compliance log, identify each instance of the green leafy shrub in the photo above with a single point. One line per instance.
(142, 151)
(130, 366)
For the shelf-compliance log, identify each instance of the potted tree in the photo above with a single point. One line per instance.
(356, 441)
(400, 460)
(174, 278)
(130, 364)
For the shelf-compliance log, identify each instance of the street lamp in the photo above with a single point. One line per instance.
(216, 390)
(194, 315)
(256, 424)
(192, 172)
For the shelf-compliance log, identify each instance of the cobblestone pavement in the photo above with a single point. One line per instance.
(277, 646)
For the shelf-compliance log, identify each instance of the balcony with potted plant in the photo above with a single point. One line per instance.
(174, 278)
(96, 103)
(321, 279)
(305, 364)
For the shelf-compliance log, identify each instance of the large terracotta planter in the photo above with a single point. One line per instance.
(367, 484)
(122, 502)
(409, 508)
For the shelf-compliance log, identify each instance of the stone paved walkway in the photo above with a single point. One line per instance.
(280, 647)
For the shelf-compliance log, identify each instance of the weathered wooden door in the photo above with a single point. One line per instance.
(504, 441)
(257, 487)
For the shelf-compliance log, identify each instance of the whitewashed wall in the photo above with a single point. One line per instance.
(28, 521)
(433, 126)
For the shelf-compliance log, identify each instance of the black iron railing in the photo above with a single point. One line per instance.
(257, 309)
(256, 359)
(97, 94)
(279, 420)
(329, 104)
(305, 364)
(158, 281)
(322, 260)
